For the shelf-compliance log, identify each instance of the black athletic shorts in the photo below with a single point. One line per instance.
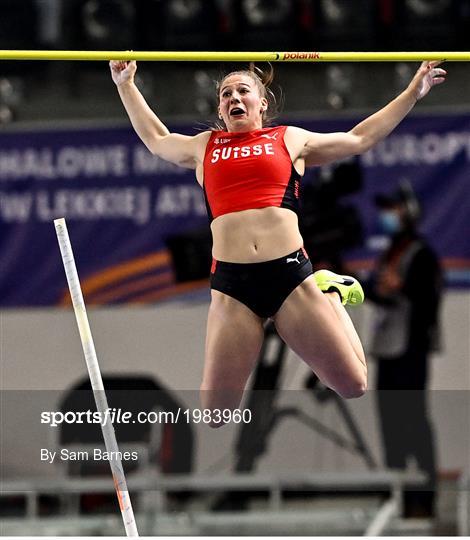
(262, 286)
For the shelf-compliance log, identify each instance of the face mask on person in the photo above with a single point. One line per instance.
(389, 222)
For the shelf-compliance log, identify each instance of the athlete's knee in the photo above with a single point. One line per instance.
(352, 392)
(352, 387)
(217, 405)
(209, 409)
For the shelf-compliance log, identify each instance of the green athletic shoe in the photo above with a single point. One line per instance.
(347, 287)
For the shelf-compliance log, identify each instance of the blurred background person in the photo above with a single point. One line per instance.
(406, 288)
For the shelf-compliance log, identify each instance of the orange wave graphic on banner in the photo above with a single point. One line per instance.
(137, 286)
(108, 282)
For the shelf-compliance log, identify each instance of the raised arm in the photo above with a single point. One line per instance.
(319, 148)
(180, 149)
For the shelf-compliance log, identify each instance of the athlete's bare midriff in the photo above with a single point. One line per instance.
(255, 235)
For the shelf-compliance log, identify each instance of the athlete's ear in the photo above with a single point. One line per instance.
(264, 105)
(218, 112)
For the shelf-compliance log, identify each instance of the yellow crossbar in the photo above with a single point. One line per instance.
(210, 56)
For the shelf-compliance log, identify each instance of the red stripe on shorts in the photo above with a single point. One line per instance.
(214, 266)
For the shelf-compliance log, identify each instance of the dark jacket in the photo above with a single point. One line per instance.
(422, 285)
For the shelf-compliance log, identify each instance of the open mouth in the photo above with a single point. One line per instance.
(237, 111)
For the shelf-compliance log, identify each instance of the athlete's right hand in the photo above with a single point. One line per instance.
(122, 72)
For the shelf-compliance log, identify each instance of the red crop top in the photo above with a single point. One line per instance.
(249, 170)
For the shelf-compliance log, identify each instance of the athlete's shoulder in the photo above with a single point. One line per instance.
(295, 131)
(297, 137)
(202, 139)
(203, 135)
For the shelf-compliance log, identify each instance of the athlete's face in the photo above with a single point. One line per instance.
(241, 106)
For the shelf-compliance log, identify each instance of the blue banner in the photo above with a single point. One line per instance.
(121, 203)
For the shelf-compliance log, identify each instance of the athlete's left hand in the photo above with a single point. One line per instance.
(427, 76)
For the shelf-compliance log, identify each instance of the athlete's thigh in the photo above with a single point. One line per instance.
(310, 327)
(233, 342)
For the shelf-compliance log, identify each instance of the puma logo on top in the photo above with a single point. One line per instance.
(267, 136)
